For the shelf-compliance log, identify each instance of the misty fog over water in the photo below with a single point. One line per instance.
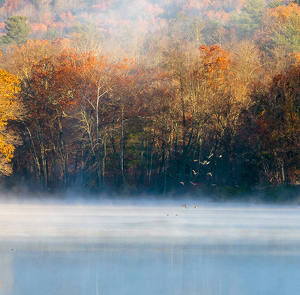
(163, 222)
(149, 248)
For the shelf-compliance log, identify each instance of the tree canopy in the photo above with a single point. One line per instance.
(173, 96)
(10, 109)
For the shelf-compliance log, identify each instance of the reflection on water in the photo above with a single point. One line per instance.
(114, 250)
(6, 273)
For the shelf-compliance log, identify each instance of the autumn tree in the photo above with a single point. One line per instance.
(47, 92)
(214, 92)
(275, 113)
(10, 110)
(20, 59)
(220, 88)
(79, 106)
(193, 116)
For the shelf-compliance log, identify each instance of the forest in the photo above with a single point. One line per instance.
(155, 97)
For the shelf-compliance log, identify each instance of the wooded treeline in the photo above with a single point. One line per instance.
(178, 114)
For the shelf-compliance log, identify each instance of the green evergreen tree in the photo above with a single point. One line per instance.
(287, 34)
(17, 30)
(249, 19)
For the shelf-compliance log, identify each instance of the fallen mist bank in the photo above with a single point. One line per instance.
(259, 195)
(154, 222)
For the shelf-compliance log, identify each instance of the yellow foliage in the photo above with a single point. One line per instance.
(9, 86)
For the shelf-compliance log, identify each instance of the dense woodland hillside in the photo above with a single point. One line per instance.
(170, 96)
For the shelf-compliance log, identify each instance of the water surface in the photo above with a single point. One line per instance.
(149, 249)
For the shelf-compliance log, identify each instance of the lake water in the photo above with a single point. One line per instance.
(161, 249)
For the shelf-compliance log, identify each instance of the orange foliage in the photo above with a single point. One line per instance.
(35, 27)
(220, 15)
(282, 13)
(296, 58)
(214, 58)
(67, 17)
(64, 83)
(11, 5)
(47, 94)
(100, 7)
(276, 17)
(47, 19)
(57, 25)
(213, 78)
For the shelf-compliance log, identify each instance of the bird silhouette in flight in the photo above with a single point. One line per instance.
(195, 207)
(184, 206)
